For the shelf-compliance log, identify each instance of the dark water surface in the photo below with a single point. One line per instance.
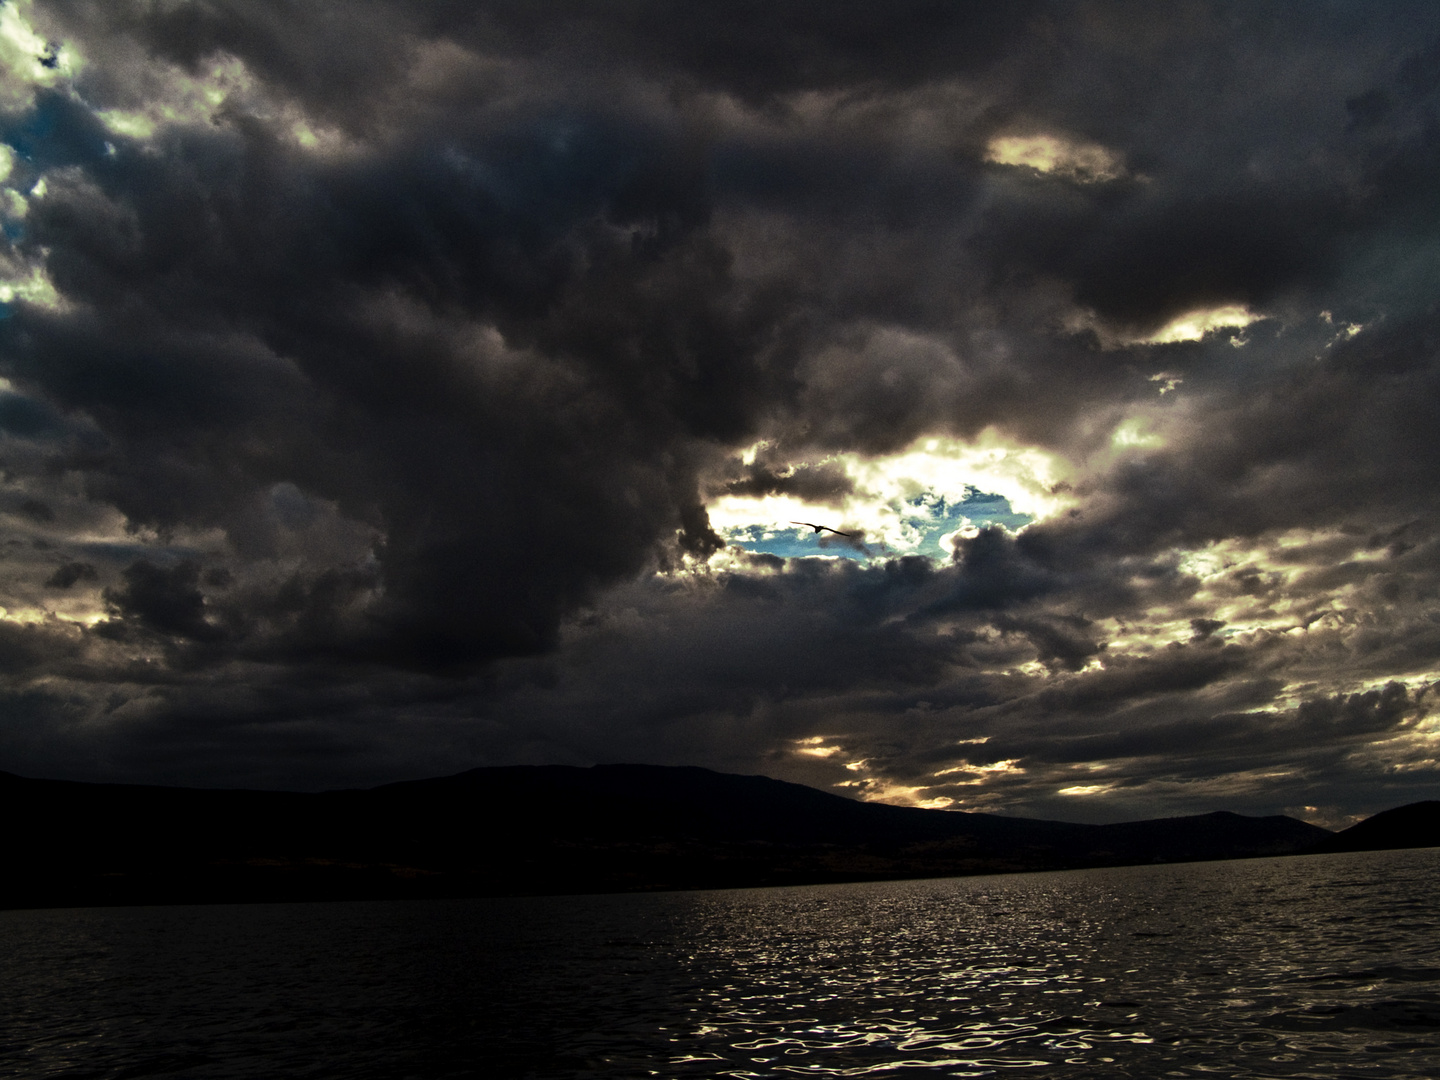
(1327, 966)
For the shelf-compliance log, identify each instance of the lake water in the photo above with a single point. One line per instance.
(1327, 966)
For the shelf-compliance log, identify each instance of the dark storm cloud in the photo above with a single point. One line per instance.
(1339, 441)
(379, 417)
(165, 600)
(69, 573)
(305, 380)
(1217, 211)
(36, 510)
(818, 483)
(758, 50)
(26, 649)
(1061, 640)
(24, 418)
(755, 666)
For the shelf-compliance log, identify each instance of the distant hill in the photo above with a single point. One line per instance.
(546, 829)
(1415, 825)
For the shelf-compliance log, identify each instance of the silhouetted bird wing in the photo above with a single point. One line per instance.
(823, 528)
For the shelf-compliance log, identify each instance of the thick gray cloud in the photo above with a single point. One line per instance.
(382, 386)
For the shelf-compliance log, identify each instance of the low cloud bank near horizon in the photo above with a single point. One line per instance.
(387, 391)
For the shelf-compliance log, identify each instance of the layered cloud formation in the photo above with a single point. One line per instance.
(390, 389)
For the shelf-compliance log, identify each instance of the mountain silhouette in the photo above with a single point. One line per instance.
(1415, 825)
(544, 829)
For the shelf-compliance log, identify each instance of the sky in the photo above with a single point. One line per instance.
(389, 389)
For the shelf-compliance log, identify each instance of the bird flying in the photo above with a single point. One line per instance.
(823, 528)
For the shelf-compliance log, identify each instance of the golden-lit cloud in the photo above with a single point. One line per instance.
(224, 85)
(27, 61)
(1135, 433)
(874, 789)
(1087, 163)
(1194, 325)
(814, 746)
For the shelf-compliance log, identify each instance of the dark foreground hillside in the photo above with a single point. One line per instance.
(1416, 825)
(542, 829)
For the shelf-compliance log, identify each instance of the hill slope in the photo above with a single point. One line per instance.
(1415, 825)
(542, 829)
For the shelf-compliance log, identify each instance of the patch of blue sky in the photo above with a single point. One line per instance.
(935, 517)
(928, 517)
(796, 543)
(118, 552)
(57, 131)
(25, 417)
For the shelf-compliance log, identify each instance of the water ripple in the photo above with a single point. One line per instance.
(1324, 967)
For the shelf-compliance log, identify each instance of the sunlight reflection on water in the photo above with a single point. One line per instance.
(1316, 967)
